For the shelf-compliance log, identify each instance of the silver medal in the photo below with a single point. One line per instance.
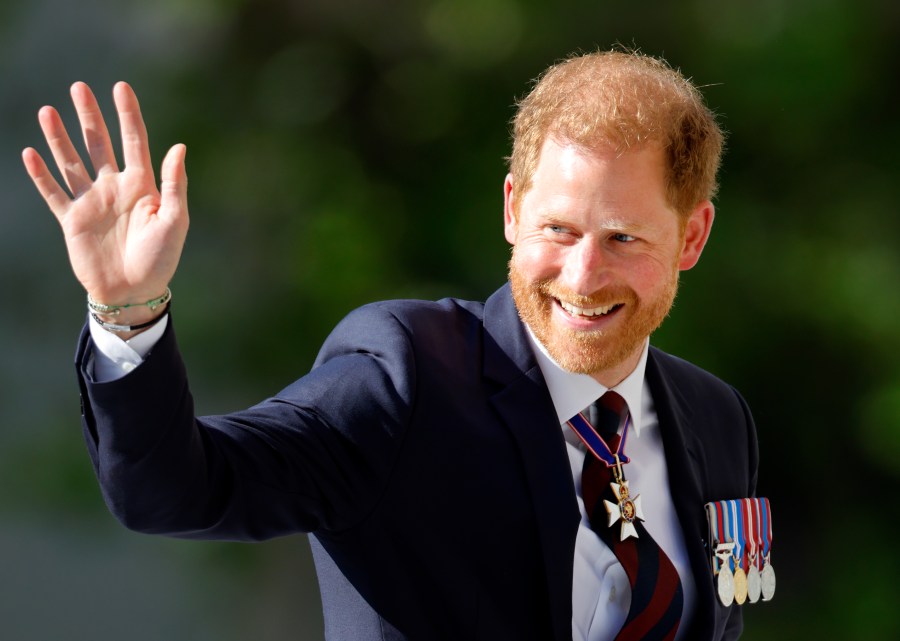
(724, 578)
(767, 580)
(725, 585)
(754, 584)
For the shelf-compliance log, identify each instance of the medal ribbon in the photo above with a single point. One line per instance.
(757, 514)
(749, 530)
(714, 536)
(595, 443)
(720, 522)
(767, 526)
(738, 529)
(729, 528)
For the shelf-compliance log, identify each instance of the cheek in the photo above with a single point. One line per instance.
(650, 277)
(537, 261)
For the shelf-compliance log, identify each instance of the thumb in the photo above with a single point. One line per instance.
(173, 190)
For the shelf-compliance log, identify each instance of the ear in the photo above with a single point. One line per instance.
(510, 219)
(696, 233)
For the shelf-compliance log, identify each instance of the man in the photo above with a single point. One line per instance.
(429, 452)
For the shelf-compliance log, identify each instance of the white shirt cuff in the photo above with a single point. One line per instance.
(113, 358)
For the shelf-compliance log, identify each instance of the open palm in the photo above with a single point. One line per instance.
(123, 234)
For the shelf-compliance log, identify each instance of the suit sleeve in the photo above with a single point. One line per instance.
(314, 457)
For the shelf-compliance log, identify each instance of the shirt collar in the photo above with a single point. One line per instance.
(571, 393)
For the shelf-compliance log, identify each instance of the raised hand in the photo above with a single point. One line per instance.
(123, 234)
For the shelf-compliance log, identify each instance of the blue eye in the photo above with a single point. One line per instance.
(623, 238)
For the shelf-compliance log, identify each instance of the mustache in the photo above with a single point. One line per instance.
(609, 295)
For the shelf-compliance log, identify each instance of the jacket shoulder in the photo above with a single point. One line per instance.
(690, 379)
(391, 321)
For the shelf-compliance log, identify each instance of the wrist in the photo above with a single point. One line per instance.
(127, 331)
(117, 309)
(129, 319)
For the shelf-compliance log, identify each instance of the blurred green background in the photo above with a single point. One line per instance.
(343, 151)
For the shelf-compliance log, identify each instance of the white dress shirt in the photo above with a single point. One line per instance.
(114, 358)
(601, 594)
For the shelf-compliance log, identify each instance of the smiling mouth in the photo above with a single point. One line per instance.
(587, 312)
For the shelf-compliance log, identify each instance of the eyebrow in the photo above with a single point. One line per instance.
(610, 223)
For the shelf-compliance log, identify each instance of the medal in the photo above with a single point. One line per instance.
(754, 583)
(737, 529)
(725, 579)
(767, 582)
(751, 532)
(721, 554)
(767, 576)
(726, 550)
(740, 585)
(626, 509)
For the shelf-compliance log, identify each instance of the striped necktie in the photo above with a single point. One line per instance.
(656, 592)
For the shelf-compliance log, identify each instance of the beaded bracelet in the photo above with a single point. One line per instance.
(114, 327)
(113, 310)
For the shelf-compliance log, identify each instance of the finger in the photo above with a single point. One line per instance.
(93, 128)
(67, 159)
(135, 149)
(54, 195)
(173, 190)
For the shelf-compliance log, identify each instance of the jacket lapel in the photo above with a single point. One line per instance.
(524, 405)
(683, 452)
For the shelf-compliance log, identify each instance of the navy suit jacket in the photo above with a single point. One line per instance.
(424, 456)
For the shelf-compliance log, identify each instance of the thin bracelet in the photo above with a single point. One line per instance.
(113, 310)
(113, 327)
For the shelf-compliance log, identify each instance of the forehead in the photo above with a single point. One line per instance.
(569, 175)
(560, 152)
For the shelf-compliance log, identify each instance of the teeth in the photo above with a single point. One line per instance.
(584, 311)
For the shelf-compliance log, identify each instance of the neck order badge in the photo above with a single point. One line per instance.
(626, 508)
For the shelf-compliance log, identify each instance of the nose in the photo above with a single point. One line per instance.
(586, 269)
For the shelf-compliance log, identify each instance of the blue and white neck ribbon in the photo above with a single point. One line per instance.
(595, 443)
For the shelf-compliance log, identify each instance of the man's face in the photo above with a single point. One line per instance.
(596, 254)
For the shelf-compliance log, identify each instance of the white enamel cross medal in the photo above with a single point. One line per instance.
(627, 509)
